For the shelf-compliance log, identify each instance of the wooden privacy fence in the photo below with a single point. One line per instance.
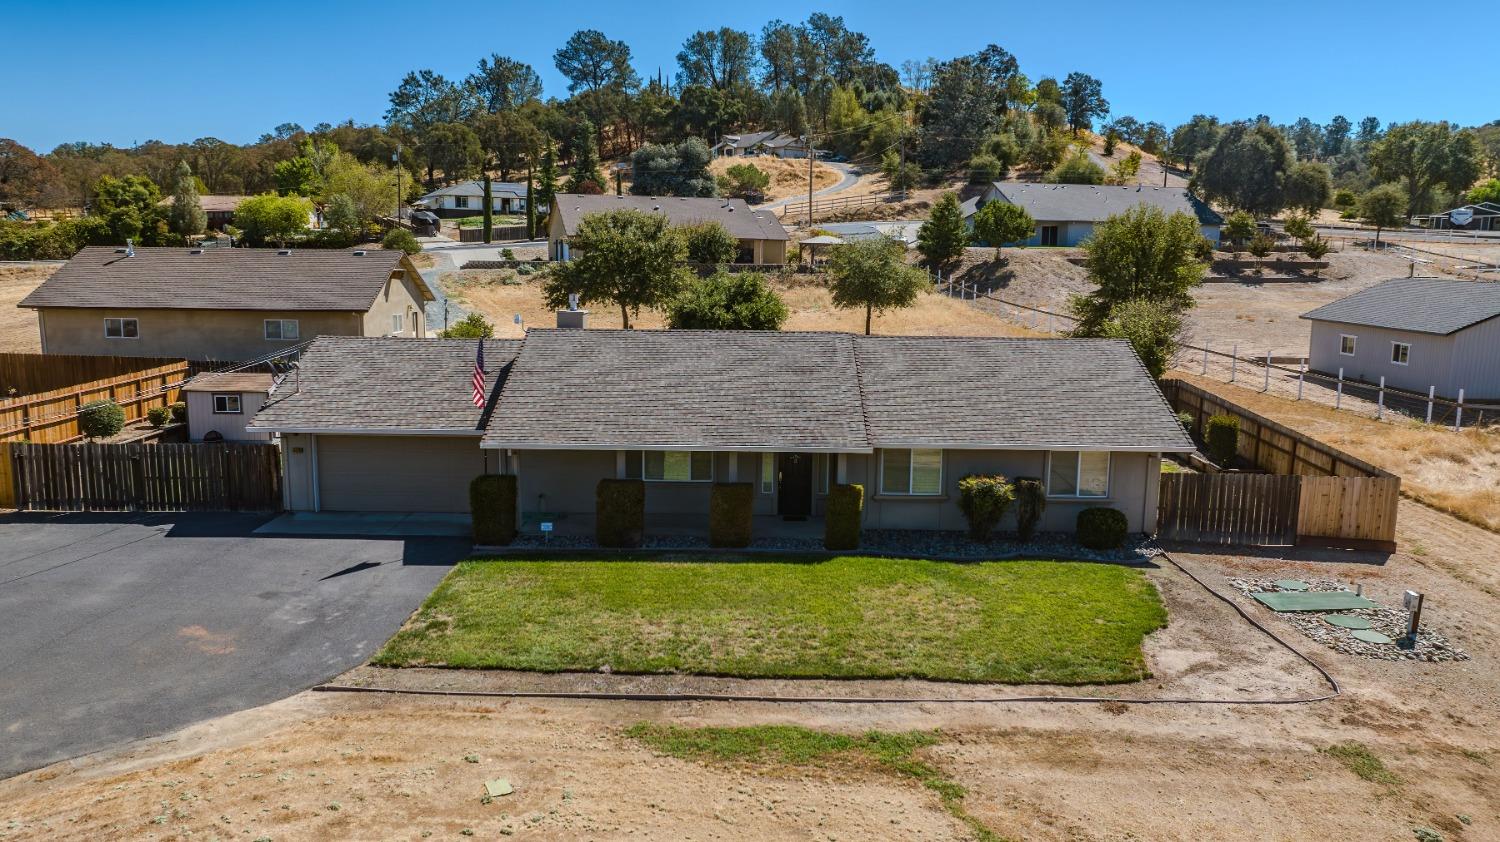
(143, 477)
(28, 374)
(1285, 509)
(52, 417)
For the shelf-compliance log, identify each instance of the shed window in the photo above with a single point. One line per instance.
(917, 472)
(1346, 344)
(1400, 353)
(669, 465)
(281, 329)
(121, 329)
(226, 404)
(1072, 473)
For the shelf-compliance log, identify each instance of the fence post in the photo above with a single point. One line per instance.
(1431, 390)
(1301, 375)
(1267, 386)
(1338, 397)
(1380, 401)
(1458, 417)
(1234, 361)
(1205, 361)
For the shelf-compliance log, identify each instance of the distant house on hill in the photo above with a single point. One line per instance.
(762, 239)
(467, 199)
(1066, 214)
(228, 304)
(1417, 333)
(761, 143)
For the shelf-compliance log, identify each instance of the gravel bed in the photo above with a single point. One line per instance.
(1391, 622)
(894, 542)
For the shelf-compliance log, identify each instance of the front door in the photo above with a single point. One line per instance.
(794, 490)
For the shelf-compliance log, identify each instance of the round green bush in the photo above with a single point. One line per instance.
(400, 238)
(984, 501)
(1100, 528)
(179, 412)
(158, 416)
(101, 419)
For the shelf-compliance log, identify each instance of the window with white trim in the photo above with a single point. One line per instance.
(669, 465)
(768, 473)
(121, 329)
(461, 201)
(1400, 353)
(1073, 473)
(227, 403)
(281, 329)
(917, 472)
(1346, 344)
(396, 323)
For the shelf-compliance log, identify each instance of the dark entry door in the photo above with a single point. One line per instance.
(794, 491)
(1049, 235)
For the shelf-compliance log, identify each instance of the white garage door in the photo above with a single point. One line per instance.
(397, 473)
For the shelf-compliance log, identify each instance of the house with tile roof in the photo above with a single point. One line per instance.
(761, 237)
(1066, 214)
(791, 413)
(1417, 333)
(224, 304)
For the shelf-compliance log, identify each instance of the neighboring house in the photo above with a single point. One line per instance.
(224, 303)
(762, 239)
(467, 199)
(1065, 214)
(760, 143)
(1417, 333)
(1484, 216)
(791, 413)
(220, 405)
(219, 208)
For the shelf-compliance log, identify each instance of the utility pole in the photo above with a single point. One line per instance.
(396, 159)
(807, 139)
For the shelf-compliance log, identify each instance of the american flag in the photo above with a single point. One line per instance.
(479, 376)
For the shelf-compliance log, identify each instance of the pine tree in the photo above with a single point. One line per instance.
(186, 215)
(942, 238)
(585, 177)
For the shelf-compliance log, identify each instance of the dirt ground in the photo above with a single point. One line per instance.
(788, 176)
(18, 330)
(810, 304)
(335, 765)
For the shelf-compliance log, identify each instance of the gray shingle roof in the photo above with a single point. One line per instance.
(1096, 203)
(1002, 393)
(733, 214)
(1421, 305)
(220, 279)
(605, 389)
(386, 384)
(475, 188)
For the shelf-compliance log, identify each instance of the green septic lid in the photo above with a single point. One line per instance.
(1370, 636)
(1292, 584)
(1346, 621)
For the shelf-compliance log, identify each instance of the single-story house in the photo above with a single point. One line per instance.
(218, 207)
(220, 405)
(1066, 214)
(466, 198)
(792, 413)
(762, 239)
(775, 143)
(224, 303)
(1417, 333)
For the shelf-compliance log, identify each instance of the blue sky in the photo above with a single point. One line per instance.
(123, 72)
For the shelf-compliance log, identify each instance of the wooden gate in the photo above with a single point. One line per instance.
(145, 477)
(1229, 508)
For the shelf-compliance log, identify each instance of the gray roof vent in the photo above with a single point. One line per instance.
(359, 252)
(119, 251)
(195, 251)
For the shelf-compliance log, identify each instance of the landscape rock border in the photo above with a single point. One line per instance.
(1431, 645)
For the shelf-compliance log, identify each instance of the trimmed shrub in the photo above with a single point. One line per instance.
(1100, 528)
(1222, 434)
(984, 500)
(1187, 420)
(492, 505)
(620, 512)
(101, 419)
(1031, 501)
(400, 238)
(157, 416)
(731, 510)
(841, 523)
(178, 412)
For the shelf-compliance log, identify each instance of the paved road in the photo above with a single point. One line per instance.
(851, 178)
(115, 628)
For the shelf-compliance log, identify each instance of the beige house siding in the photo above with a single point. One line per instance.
(399, 296)
(188, 334)
(202, 418)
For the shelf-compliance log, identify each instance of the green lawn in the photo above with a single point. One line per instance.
(848, 617)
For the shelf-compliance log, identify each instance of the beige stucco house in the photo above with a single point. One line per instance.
(790, 413)
(762, 239)
(224, 304)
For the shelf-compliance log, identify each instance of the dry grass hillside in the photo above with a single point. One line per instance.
(500, 295)
(788, 176)
(18, 331)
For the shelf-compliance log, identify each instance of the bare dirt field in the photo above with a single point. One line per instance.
(18, 330)
(810, 304)
(1409, 746)
(788, 176)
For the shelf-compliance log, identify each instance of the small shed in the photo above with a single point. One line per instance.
(220, 405)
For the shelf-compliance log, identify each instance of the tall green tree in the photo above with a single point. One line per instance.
(1139, 254)
(1424, 156)
(592, 63)
(998, 223)
(1193, 138)
(453, 148)
(625, 258)
(1247, 169)
(1083, 100)
(130, 206)
(1153, 329)
(1309, 187)
(186, 215)
(680, 170)
(1383, 207)
(873, 274)
(585, 177)
(942, 238)
(546, 180)
(272, 218)
(720, 58)
(504, 84)
(727, 301)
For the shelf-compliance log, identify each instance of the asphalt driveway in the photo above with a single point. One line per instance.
(115, 628)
